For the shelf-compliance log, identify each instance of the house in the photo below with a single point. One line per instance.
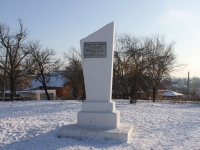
(55, 83)
(172, 95)
(24, 78)
(37, 94)
(28, 82)
(159, 94)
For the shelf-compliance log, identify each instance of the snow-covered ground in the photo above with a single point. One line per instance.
(34, 125)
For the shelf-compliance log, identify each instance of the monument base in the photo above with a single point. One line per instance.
(121, 133)
(99, 119)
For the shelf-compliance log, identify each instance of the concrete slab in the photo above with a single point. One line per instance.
(121, 133)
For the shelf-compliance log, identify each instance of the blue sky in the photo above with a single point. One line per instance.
(59, 24)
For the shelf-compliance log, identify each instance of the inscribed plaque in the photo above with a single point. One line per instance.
(95, 49)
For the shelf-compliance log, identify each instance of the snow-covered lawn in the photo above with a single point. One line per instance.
(34, 125)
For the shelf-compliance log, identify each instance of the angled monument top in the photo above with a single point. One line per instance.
(96, 44)
(101, 34)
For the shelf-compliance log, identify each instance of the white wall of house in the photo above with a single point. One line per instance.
(37, 94)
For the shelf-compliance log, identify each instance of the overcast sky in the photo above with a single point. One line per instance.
(59, 24)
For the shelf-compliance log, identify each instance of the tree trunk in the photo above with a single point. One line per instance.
(46, 92)
(74, 94)
(133, 100)
(133, 91)
(84, 94)
(12, 88)
(4, 77)
(3, 90)
(132, 96)
(154, 94)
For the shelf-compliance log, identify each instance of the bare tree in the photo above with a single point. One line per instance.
(162, 61)
(131, 60)
(74, 72)
(13, 49)
(44, 64)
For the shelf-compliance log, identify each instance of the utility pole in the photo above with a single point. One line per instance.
(188, 84)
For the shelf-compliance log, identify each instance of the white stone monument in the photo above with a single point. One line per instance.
(98, 116)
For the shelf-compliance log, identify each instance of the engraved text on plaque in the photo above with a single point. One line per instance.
(95, 49)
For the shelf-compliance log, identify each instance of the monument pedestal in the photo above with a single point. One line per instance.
(121, 133)
(98, 119)
(98, 116)
(99, 113)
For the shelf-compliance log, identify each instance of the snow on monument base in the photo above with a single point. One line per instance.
(121, 133)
